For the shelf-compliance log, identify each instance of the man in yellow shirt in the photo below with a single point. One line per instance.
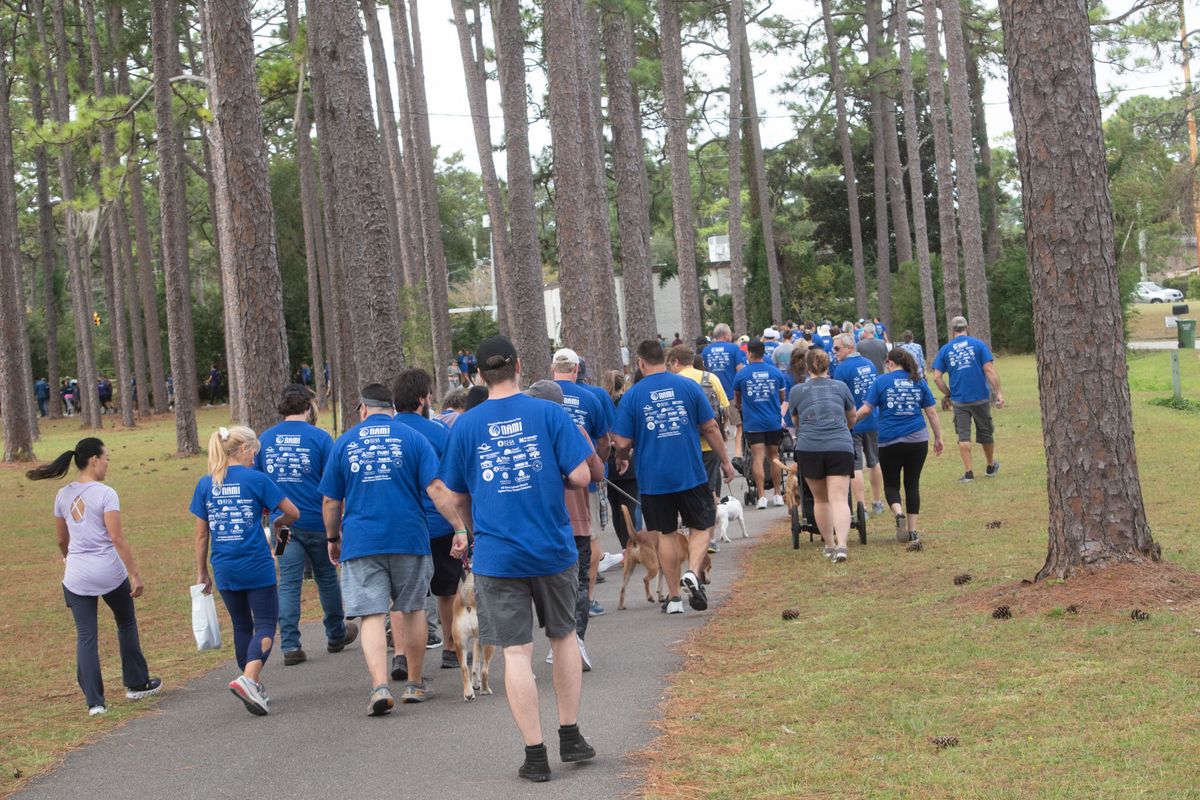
(681, 361)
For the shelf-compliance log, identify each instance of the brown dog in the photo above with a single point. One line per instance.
(642, 548)
(791, 491)
(466, 631)
(663, 590)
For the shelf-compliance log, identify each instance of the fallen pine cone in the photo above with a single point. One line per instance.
(942, 742)
(1002, 612)
(914, 546)
(1137, 615)
(964, 579)
(1073, 608)
(791, 613)
(994, 524)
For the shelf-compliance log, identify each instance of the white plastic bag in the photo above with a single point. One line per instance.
(204, 619)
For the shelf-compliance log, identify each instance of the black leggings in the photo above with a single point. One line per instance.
(909, 458)
(615, 500)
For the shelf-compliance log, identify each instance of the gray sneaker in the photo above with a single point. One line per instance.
(416, 692)
(381, 702)
(877, 507)
(839, 555)
(828, 552)
(992, 469)
(901, 528)
(251, 694)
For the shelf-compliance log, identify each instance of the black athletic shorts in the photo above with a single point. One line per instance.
(447, 571)
(712, 468)
(769, 438)
(822, 464)
(695, 506)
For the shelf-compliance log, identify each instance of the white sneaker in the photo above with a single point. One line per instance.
(251, 694)
(762, 502)
(583, 654)
(95, 711)
(778, 501)
(550, 657)
(610, 560)
(675, 607)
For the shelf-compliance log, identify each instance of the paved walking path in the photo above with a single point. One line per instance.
(199, 742)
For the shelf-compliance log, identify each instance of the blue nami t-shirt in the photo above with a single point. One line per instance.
(293, 455)
(511, 456)
(898, 400)
(437, 434)
(858, 374)
(241, 556)
(962, 359)
(585, 408)
(722, 359)
(662, 414)
(760, 384)
(381, 468)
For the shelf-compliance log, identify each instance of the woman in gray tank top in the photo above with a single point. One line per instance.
(823, 410)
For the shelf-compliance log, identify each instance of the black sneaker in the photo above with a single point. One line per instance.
(449, 659)
(148, 689)
(293, 657)
(967, 477)
(572, 746)
(433, 641)
(697, 598)
(399, 668)
(992, 469)
(537, 764)
(340, 645)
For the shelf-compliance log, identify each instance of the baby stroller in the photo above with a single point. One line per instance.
(804, 517)
(744, 466)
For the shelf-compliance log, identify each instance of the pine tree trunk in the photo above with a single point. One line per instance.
(897, 195)
(529, 333)
(737, 264)
(758, 184)
(678, 157)
(47, 249)
(245, 213)
(81, 301)
(947, 216)
(968, 183)
(16, 419)
(414, 238)
(310, 213)
(883, 248)
(171, 212)
(359, 204)
(1097, 516)
(989, 201)
(629, 167)
(916, 180)
(475, 73)
(848, 175)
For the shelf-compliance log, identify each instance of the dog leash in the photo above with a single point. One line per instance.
(623, 493)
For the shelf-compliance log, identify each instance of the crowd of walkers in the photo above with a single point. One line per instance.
(511, 491)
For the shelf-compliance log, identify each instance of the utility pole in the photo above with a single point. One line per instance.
(1191, 120)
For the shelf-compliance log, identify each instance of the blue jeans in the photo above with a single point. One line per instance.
(87, 651)
(291, 576)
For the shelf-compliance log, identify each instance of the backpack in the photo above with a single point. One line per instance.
(710, 392)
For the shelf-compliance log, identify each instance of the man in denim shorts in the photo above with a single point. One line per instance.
(507, 460)
(374, 483)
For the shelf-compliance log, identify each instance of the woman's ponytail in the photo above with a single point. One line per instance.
(85, 450)
(224, 443)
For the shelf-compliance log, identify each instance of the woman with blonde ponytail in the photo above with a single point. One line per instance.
(229, 503)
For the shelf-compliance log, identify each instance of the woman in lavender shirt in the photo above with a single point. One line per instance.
(99, 564)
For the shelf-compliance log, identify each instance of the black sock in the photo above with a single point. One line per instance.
(532, 751)
(568, 730)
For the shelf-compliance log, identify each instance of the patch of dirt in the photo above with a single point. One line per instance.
(1112, 589)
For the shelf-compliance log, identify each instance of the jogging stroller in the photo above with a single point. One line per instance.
(804, 516)
(745, 467)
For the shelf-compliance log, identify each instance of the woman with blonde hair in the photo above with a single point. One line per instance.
(228, 504)
(99, 565)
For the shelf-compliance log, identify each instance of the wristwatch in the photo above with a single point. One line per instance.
(333, 540)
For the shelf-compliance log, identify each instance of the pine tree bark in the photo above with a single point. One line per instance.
(165, 47)
(81, 301)
(16, 419)
(47, 249)
(883, 247)
(988, 201)
(848, 174)
(245, 213)
(737, 264)
(529, 333)
(1097, 516)
(947, 216)
(675, 107)
(310, 214)
(414, 237)
(629, 168)
(758, 184)
(916, 179)
(897, 195)
(968, 183)
(470, 39)
(359, 204)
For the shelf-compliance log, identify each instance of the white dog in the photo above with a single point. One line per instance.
(728, 510)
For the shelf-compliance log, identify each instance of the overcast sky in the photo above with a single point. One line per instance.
(450, 122)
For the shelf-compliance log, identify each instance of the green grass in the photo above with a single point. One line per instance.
(843, 701)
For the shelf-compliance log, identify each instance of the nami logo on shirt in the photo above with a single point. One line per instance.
(510, 427)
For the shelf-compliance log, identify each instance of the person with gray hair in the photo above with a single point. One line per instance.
(872, 348)
(723, 358)
(974, 386)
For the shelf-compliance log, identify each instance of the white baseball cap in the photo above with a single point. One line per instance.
(770, 333)
(566, 356)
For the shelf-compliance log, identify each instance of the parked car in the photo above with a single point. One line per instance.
(1150, 292)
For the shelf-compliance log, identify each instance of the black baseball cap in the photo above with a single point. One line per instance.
(495, 352)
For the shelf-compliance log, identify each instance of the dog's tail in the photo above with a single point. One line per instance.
(628, 525)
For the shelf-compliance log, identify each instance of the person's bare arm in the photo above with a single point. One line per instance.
(331, 513)
(63, 534)
(712, 434)
(448, 505)
(112, 522)
(939, 382)
(604, 446)
(863, 412)
(202, 575)
(935, 424)
(624, 448)
(580, 477)
(993, 377)
(737, 399)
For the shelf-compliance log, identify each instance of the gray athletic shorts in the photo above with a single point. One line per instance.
(866, 447)
(712, 468)
(506, 607)
(382, 583)
(981, 412)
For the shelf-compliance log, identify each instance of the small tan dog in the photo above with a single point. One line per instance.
(791, 491)
(642, 548)
(466, 631)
